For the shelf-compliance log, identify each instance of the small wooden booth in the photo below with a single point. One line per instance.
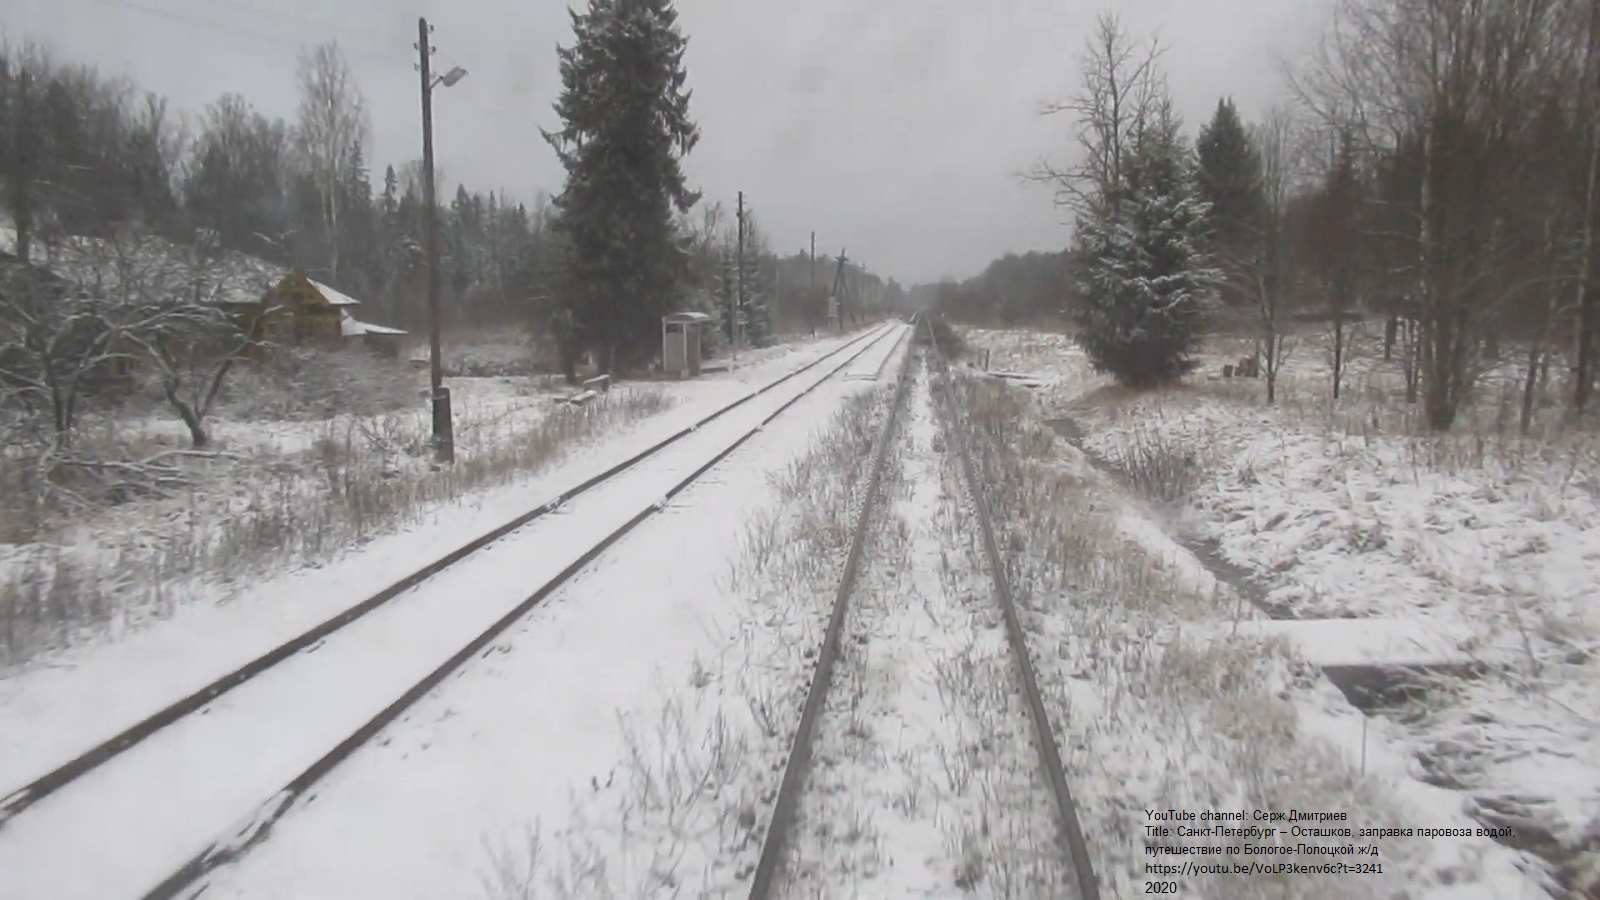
(680, 343)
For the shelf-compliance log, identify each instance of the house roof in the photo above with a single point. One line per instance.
(334, 297)
(350, 327)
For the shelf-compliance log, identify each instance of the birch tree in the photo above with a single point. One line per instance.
(333, 126)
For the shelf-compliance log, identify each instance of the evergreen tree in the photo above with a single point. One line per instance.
(626, 127)
(1140, 264)
(1230, 181)
(756, 305)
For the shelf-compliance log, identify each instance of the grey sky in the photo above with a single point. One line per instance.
(895, 128)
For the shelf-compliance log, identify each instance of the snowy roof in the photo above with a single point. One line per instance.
(135, 266)
(334, 297)
(349, 327)
(685, 318)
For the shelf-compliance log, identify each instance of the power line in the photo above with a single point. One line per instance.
(524, 117)
(243, 31)
(272, 14)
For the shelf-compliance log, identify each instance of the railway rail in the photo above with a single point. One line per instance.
(19, 807)
(785, 809)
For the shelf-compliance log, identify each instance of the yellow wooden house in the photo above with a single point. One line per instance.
(300, 311)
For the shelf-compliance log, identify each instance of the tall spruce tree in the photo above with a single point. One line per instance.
(1141, 268)
(626, 128)
(1229, 179)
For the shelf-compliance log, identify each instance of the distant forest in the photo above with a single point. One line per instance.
(86, 154)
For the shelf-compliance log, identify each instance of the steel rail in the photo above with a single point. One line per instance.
(258, 825)
(1076, 848)
(14, 803)
(794, 774)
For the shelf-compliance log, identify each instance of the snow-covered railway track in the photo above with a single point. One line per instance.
(171, 783)
(817, 811)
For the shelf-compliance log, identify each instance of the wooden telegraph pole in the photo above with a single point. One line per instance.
(443, 430)
(811, 298)
(443, 445)
(738, 296)
(838, 289)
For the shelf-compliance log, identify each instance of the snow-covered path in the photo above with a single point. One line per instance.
(524, 733)
(151, 809)
(923, 781)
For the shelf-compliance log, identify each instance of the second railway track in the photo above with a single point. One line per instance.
(253, 742)
(782, 867)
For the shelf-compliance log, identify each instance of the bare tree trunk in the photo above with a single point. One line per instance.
(1530, 386)
(1338, 347)
(1538, 350)
(1411, 351)
(1391, 328)
(1585, 302)
(191, 418)
(22, 164)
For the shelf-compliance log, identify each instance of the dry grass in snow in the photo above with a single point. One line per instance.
(1147, 718)
(686, 815)
(1350, 509)
(924, 782)
(289, 491)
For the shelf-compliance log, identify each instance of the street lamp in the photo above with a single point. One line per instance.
(443, 432)
(450, 78)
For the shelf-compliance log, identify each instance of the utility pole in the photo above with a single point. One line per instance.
(838, 289)
(811, 298)
(739, 291)
(443, 431)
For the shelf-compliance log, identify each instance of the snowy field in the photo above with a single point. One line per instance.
(601, 746)
(1315, 534)
(279, 494)
(1206, 583)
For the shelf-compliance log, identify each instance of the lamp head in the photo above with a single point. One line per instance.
(449, 78)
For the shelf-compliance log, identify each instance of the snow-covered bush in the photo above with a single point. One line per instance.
(301, 383)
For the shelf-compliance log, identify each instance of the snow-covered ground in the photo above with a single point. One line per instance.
(924, 782)
(279, 492)
(627, 737)
(61, 706)
(576, 716)
(1475, 546)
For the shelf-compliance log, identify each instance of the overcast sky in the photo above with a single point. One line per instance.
(893, 128)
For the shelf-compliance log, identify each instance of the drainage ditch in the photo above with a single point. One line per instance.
(1401, 692)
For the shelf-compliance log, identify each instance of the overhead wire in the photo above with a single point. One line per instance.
(525, 117)
(498, 108)
(352, 47)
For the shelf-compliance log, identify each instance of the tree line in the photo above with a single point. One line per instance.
(595, 266)
(1433, 165)
(88, 155)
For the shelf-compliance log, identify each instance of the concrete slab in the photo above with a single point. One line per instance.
(1354, 642)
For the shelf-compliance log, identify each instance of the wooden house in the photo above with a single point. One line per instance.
(276, 305)
(296, 311)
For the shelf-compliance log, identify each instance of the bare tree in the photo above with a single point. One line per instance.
(333, 126)
(55, 341)
(166, 303)
(22, 169)
(1454, 82)
(1122, 90)
(1268, 271)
